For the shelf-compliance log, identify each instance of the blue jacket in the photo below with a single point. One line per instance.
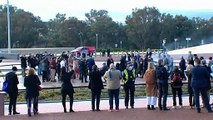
(162, 74)
(200, 77)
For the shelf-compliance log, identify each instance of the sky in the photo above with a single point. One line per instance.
(117, 9)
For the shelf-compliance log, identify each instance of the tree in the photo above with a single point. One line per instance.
(24, 27)
(100, 23)
(143, 27)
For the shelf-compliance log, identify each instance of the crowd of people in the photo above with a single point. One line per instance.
(67, 67)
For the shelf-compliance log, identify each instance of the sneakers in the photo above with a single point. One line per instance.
(180, 106)
(110, 110)
(174, 107)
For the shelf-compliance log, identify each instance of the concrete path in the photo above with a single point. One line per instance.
(54, 111)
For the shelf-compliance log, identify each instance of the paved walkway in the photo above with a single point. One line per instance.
(54, 111)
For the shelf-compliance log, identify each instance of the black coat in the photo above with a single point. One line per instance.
(66, 83)
(12, 79)
(23, 62)
(31, 83)
(95, 83)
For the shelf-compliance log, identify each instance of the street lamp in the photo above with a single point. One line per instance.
(80, 35)
(96, 35)
(121, 42)
(176, 43)
(8, 29)
(187, 41)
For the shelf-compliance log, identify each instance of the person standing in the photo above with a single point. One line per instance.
(67, 88)
(129, 77)
(190, 90)
(182, 66)
(45, 68)
(113, 77)
(109, 60)
(12, 79)
(90, 62)
(151, 86)
(32, 83)
(200, 84)
(53, 69)
(108, 52)
(95, 84)
(176, 86)
(83, 69)
(23, 65)
(162, 81)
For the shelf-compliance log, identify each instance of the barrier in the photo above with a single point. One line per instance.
(10, 56)
(2, 96)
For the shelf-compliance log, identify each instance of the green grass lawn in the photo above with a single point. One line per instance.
(54, 95)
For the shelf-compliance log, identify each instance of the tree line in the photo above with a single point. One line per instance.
(143, 28)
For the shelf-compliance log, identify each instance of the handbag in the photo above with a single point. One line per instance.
(5, 86)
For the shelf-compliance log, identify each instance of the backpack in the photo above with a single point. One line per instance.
(177, 80)
(5, 87)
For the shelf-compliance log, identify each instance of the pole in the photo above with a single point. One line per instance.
(96, 41)
(8, 29)
(175, 43)
(80, 35)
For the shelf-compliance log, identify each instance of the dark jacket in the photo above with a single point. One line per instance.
(176, 79)
(109, 61)
(31, 83)
(182, 64)
(83, 66)
(66, 83)
(162, 74)
(95, 83)
(200, 77)
(12, 79)
(90, 63)
(23, 62)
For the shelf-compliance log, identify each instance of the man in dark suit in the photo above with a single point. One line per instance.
(200, 84)
(12, 79)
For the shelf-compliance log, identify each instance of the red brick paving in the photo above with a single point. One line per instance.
(130, 114)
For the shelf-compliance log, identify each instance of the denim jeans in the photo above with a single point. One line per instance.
(163, 92)
(114, 93)
(35, 104)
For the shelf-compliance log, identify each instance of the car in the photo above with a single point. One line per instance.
(88, 50)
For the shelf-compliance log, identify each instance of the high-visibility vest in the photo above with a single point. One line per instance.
(126, 75)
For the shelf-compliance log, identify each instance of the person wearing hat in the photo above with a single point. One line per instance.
(12, 79)
(129, 77)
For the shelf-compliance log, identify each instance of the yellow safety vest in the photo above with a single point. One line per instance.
(126, 75)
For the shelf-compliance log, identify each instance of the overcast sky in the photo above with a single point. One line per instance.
(118, 9)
